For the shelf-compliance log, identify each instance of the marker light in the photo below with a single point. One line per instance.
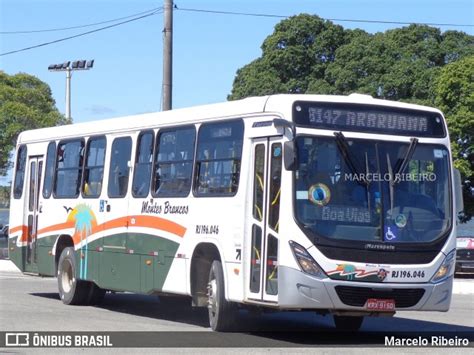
(445, 270)
(306, 261)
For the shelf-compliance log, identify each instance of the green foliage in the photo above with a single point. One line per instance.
(300, 48)
(454, 90)
(5, 196)
(417, 63)
(306, 54)
(25, 103)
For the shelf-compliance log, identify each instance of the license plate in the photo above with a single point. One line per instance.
(376, 304)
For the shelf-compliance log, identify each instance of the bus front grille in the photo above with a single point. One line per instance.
(358, 296)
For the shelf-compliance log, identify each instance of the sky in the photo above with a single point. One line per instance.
(208, 48)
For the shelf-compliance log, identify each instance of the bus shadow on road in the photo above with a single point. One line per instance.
(50, 295)
(302, 328)
(168, 308)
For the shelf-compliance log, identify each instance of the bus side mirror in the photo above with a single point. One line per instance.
(290, 156)
(458, 193)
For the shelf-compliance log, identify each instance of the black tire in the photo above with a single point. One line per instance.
(222, 314)
(71, 290)
(348, 323)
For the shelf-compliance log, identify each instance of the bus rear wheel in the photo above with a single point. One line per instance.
(71, 290)
(348, 323)
(221, 312)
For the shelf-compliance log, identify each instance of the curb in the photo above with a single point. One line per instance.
(8, 266)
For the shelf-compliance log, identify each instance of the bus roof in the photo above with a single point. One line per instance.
(280, 103)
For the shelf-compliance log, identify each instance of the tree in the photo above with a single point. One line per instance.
(416, 63)
(306, 54)
(300, 48)
(25, 103)
(5, 196)
(454, 90)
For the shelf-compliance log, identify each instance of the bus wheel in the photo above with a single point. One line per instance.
(71, 290)
(221, 312)
(348, 323)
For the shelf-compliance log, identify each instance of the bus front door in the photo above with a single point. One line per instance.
(264, 213)
(35, 167)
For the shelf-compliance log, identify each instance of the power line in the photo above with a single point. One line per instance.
(158, 10)
(79, 26)
(330, 19)
(81, 34)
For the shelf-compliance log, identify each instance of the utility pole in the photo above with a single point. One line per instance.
(167, 55)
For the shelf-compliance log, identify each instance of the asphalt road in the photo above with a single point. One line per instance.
(32, 304)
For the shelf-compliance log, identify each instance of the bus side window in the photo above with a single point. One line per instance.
(119, 171)
(49, 170)
(174, 162)
(20, 172)
(218, 158)
(68, 168)
(94, 167)
(143, 161)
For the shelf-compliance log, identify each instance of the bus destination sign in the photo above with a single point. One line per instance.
(368, 118)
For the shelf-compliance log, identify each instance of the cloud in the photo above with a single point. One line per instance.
(100, 110)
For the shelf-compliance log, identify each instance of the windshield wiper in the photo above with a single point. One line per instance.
(350, 160)
(396, 178)
(408, 155)
(391, 183)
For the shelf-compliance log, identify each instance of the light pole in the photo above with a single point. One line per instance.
(68, 68)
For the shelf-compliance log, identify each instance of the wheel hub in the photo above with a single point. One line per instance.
(212, 297)
(66, 277)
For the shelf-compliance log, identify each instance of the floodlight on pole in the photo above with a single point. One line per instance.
(68, 67)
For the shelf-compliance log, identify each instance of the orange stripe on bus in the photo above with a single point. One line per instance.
(16, 229)
(144, 221)
(157, 222)
(24, 232)
(131, 221)
(57, 227)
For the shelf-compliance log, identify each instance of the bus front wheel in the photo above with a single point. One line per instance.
(348, 323)
(221, 312)
(71, 290)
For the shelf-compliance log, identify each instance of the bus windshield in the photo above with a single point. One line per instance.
(369, 191)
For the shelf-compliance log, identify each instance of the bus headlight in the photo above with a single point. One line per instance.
(444, 271)
(306, 261)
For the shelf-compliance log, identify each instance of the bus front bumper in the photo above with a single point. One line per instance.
(298, 290)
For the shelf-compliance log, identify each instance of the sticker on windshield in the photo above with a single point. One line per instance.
(438, 153)
(319, 194)
(277, 152)
(401, 221)
(391, 233)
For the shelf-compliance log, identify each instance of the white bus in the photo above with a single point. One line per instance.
(338, 204)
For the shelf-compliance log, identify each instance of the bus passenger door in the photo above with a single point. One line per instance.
(262, 236)
(35, 168)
